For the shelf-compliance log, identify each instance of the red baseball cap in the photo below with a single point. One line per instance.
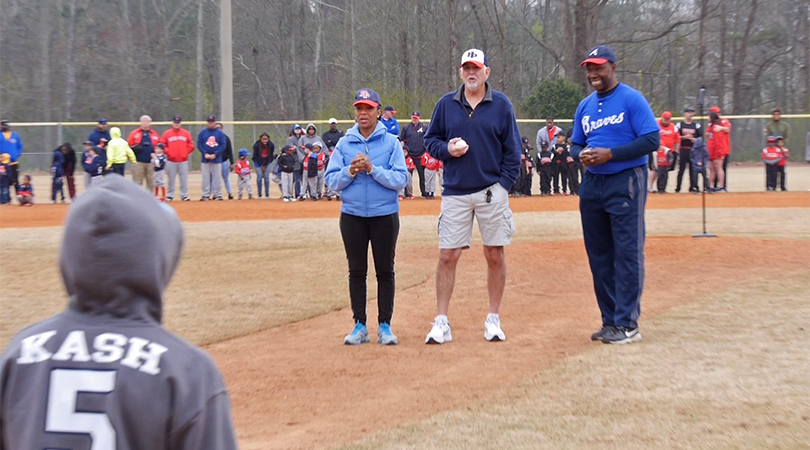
(714, 109)
(666, 115)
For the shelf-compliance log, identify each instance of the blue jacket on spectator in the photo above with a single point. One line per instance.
(492, 134)
(368, 195)
(211, 142)
(58, 165)
(96, 136)
(13, 146)
(699, 154)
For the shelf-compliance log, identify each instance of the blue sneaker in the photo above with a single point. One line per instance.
(358, 336)
(385, 336)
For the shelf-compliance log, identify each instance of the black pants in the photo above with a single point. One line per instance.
(725, 170)
(683, 161)
(693, 177)
(663, 177)
(780, 174)
(527, 185)
(382, 232)
(13, 176)
(770, 177)
(560, 173)
(118, 168)
(573, 179)
(545, 180)
(420, 169)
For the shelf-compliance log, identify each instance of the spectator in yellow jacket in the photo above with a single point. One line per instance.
(118, 152)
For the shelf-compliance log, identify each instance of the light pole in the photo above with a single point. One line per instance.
(703, 191)
(226, 71)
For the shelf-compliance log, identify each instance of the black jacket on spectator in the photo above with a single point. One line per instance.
(227, 154)
(258, 160)
(330, 138)
(415, 138)
(286, 162)
(69, 162)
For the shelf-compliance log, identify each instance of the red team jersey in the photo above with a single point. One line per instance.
(429, 162)
(669, 135)
(409, 164)
(243, 167)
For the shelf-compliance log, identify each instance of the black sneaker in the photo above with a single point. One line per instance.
(602, 331)
(219, 199)
(186, 199)
(203, 199)
(230, 197)
(621, 335)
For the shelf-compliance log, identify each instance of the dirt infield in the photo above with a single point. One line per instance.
(48, 215)
(297, 386)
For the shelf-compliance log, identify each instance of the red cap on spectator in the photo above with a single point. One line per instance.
(666, 115)
(714, 109)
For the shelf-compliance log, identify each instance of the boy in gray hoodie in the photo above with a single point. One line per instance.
(104, 373)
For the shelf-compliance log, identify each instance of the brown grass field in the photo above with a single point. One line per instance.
(723, 363)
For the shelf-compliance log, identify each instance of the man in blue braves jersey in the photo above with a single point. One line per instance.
(614, 131)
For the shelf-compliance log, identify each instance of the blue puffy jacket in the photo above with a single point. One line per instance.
(368, 195)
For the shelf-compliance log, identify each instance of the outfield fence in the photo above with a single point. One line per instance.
(41, 138)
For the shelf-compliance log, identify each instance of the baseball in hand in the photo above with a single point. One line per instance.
(461, 143)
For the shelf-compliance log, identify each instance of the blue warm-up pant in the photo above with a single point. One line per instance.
(612, 210)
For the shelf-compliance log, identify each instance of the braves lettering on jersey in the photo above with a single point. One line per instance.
(616, 119)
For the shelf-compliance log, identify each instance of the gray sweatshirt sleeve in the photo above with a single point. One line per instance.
(211, 428)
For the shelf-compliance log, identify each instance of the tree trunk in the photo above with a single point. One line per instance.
(453, 55)
(200, 102)
(805, 65)
(721, 69)
(353, 45)
(317, 59)
(45, 68)
(71, 65)
(129, 61)
(739, 63)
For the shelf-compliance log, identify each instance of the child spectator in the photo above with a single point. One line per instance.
(407, 191)
(5, 179)
(771, 155)
(544, 169)
(330, 194)
(780, 166)
(93, 166)
(314, 167)
(430, 165)
(159, 178)
(243, 172)
(286, 162)
(560, 165)
(118, 152)
(25, 192)
(699, 157)
(264, 152)
(526, 189)
(663, 159)
(57, 174)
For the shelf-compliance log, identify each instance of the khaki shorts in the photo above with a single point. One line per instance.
(494, 219)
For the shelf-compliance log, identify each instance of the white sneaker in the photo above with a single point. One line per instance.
(492, 329)
(286, 200)
(293, 199)
(440, 333)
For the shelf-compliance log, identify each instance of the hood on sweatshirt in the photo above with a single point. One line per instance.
(115, 132)
(308, 127)
(120, 249)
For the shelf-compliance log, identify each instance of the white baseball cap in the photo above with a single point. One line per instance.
(332, 120)
(474, 56)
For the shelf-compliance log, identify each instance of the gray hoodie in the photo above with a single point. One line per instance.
(104, 371)
(307, 139)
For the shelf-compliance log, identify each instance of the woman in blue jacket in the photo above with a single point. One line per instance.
(368, 166)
